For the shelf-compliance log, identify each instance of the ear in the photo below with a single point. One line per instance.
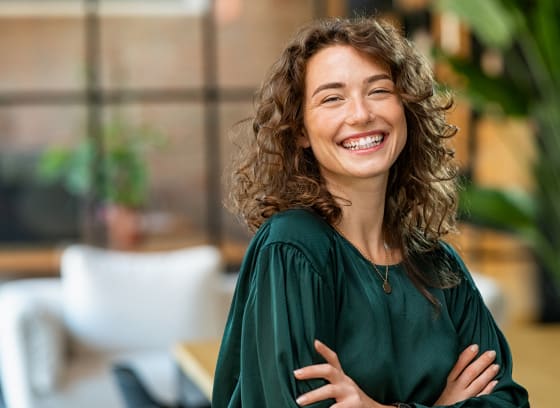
(303, 139)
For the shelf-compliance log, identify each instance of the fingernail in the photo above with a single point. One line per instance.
(492, 353)
(297, 372)
(301, 400)
(495, 367)
(473, 348)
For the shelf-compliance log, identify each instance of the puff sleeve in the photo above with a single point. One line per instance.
(475, 325)
(288, 303)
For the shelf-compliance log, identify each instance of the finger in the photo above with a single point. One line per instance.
(327, 391)
(489, 388)
(463, 361)
(480, 383)
(476, 368)
(325, 371)
(327, 354)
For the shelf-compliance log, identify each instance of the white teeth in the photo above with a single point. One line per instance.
(363, 143)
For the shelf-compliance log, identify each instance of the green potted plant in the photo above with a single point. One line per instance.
(121, 182)
(526, 35)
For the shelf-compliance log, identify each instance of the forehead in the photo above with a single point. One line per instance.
(342, 61)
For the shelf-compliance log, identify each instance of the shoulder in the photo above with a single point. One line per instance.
(441, 266)
(452, 258)
(299, 225)
(455, 265)
(301, 230)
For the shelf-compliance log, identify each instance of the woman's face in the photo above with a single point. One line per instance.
(354, 120)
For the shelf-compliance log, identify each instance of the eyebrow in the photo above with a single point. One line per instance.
(336, 85)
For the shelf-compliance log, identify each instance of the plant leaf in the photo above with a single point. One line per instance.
(493, 23)
(505, 210)
(547, 34)
(483, 89)
(53, 165)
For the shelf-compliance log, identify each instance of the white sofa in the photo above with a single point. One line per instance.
(60, 336)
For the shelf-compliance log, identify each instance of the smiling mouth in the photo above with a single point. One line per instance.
(362, 143)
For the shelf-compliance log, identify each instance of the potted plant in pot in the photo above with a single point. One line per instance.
(121, 183)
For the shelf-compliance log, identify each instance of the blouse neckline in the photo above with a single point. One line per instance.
(348, 243)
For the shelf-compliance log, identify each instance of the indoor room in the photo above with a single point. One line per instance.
(119, 121)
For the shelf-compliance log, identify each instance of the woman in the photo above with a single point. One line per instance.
(347, 294)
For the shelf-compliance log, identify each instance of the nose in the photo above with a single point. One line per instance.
(359, 113)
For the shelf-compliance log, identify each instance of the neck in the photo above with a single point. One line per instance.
(363, 206)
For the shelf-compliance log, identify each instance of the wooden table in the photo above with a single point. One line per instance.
(536, 361)
(197, 361)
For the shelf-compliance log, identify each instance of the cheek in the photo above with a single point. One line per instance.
(401, 119)
(312, 130)
(402, 143)
(402, 133)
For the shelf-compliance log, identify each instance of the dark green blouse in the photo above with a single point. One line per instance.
(300, 280)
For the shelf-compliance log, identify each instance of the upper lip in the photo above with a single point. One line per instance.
(363, 134)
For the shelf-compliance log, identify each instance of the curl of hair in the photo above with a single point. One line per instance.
(273, 172)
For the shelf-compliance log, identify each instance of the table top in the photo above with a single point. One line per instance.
(536, 360)
(198, 359)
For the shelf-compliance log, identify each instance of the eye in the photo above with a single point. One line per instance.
(379, 91)
(331, 98)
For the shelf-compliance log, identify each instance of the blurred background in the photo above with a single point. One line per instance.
(116, 118)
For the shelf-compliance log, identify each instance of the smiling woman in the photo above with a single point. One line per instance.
(354, 119)
(348, 295)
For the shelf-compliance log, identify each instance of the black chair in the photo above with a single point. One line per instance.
(134, 392)
(136, 395)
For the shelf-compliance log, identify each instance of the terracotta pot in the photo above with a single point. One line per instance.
(124, 227)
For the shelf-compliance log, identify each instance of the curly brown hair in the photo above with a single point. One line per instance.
(274, 172)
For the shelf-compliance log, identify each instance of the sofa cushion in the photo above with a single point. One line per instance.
(122, 300)
(45, 341)
(31, 328)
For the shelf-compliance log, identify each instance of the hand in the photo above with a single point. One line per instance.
(341, 388)
(470, 378)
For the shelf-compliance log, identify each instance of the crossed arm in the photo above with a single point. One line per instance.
(471, 376)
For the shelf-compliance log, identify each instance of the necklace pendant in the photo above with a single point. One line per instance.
(387, 287)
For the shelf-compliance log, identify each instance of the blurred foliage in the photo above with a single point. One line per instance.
(526, 34)
(122, 176)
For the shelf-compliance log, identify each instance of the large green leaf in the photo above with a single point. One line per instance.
(505, 210)
(547, 34)
(493, 23)
(512, 212)
(483, 89)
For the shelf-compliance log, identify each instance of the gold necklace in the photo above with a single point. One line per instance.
(386, 285)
